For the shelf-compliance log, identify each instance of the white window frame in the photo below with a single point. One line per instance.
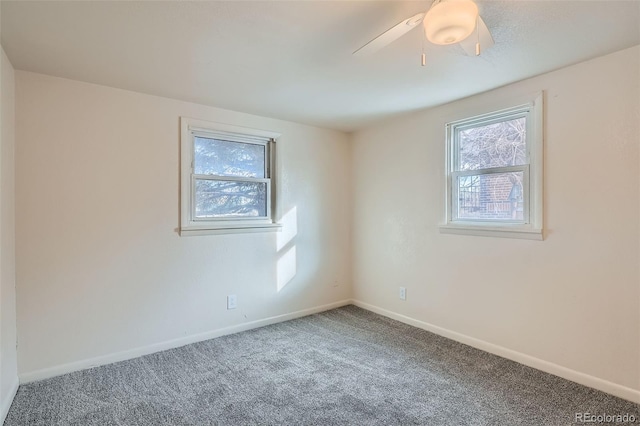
(192, 225)
(532, 225)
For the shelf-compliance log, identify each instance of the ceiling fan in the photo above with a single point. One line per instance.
(446, 22)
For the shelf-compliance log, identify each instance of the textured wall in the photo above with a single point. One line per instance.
(101, 267)
(572, 299)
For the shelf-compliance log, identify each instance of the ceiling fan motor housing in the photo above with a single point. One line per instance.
(450, 21)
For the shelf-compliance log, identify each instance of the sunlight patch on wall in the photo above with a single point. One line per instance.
(289, 228)
(286, 268)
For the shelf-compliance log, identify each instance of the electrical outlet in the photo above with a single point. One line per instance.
(232, 301)
(403, 293)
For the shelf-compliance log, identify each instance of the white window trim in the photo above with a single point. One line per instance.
(532, 229)
(189, 225)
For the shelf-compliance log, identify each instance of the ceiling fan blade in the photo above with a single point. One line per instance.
(390, 35)
(486, 41)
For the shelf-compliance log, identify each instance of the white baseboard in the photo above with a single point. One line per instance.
(8, 400)
(32, 376)
(615, 389)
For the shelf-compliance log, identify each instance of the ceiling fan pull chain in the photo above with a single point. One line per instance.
(423, 57)
(478, 35)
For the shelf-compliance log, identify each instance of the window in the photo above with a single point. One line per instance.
(494, 173)
(227, 182)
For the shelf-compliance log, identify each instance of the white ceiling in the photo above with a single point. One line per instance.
(292, 59)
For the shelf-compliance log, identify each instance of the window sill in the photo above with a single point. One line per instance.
(492, 231)
(229, 229)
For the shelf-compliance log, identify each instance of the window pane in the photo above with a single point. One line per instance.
(225, 158)
(219, 198)
(495, 145)
(496, 196)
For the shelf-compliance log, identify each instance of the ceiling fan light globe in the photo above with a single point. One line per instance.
(450, 21)
(449, 35)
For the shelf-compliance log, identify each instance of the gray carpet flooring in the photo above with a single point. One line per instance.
(341, 367)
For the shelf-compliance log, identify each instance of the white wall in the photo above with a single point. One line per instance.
(8, 357)
(571, 300)
(100, 265)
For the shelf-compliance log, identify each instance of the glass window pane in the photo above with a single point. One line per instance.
(496, 196)
(219, 198)
(495, 145)
(225, 158)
